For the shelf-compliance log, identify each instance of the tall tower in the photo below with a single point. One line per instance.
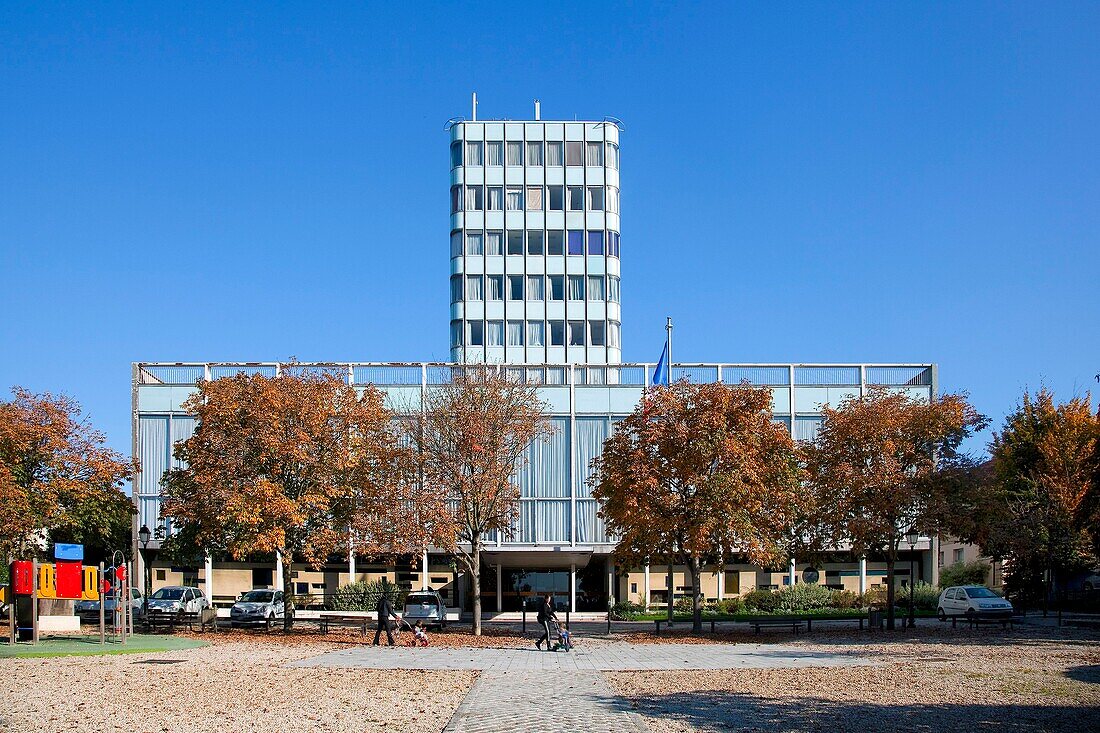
(535, 241)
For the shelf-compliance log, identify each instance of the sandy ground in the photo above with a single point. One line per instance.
(937, 680)
(234, 685)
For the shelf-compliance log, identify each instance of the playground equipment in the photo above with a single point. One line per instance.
(67, 578)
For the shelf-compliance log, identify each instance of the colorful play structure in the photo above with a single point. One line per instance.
(67, 578)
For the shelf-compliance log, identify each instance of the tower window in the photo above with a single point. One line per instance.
(554, 154)
(557, 287)
(555, 243)
(474, 289)
(515, 333)
(456, 288)
(456, 333)
(494, 243)
(475, 243)
(595, 241)
(456, 199)
(595, 287)
(496, 198)
(515, 287)
(456, 243)
(576, 287)
(576, 333)
(456, 153)
(613, 199)
(534, 198)
(515, 198)
(535, 334)
(535, 285)
(515, 241)
(534, 153)
(495, 285)
(475, 198)
(515, 153)
(494, 153)
(557, 198)
(594, 155)
(473, 153)
(596, 333)
(613, 288)
(494, 333)
(576, 242)
(475, 333)
(613, 334)
(595, 198)
(557, 333)
(613, 156)
(613, 244)
(576, 198)
(574, 153)
(534, 242)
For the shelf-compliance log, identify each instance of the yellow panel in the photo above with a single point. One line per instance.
(91, 584)
(47, 585)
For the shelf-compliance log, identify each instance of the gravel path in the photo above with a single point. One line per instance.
(229, 686)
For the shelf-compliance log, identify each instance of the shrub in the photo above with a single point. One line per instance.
(626, 610)
(844, 599)
(364, 595)
(683, 605)
(965, 573)
(873, 598)
(729, 606)
(804, 597)
(925, 596)
(760, 600)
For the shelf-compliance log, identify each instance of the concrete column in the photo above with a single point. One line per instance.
(792, 573)
(645, 589)
(424, 571)
(279, 571)
(573, 588)
(351, 564)
(934, 561)
(862, 575)
(721, 573)
(208, 572)
(610, 581)
(500, 589)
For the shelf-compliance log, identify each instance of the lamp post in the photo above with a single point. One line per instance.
(911, 537)
(144, 535)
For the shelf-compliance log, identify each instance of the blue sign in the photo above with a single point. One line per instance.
(62, 551)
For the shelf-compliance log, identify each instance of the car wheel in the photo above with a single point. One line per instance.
(943, 614)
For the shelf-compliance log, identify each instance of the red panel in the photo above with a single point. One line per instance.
(22, 576)
(70, 579)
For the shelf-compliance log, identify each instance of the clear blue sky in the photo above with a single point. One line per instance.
(817, 182)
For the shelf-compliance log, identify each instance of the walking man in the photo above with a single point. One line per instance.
(385, 613)
(546, 615)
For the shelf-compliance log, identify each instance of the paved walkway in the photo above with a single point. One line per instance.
(604, 657)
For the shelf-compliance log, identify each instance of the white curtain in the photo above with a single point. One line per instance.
(515, 199)
(515, 153)
(495, 336)
(590, 528)
(474, 289)
(534, 198)
(595, 287)
(152, 452)
(473, 198)
(473, 153)
(547, 471)
(554, 155)
(591, 433)
(534, 153)
(494, 243)
(496, 198)
(576, 287)
(475, 243)
(595, 154)
(494, 153)
(535, 287)
(552, 521)
(535, 334)
(496, 287)
(183, 427)
(515, 333)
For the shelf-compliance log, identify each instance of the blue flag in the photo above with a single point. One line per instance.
(660, 373)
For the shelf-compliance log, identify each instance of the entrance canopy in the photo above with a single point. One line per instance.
(539, 557)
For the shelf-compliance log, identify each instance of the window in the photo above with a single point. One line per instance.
(595, 287)
(613, 334)
(574, 153)
(576, 333)
(613, 288)
(576, 242)
(476, 333)
(555, 243)
(494, 333)
(534, 198)
(515, 333)
(535, 333)
(595, 198)
(456, 199)
(456, 154)
(515, 198)
(595, 241)
(554, 155)
(456, 288)
(494, 243)
(535, 287)
(515, 287)
(613, 156)
(475, 243)
(495, 286)
(576, 198)
(456, 333)
(515, 153)
(474, 290)
(557, 287)
(475, 198)
(456, 243)
(515, 241)
(576, 287)
(596, 333)
(557, 333)
(557, 198)
(496, 198)
(494, 153)
(939, 558)
(613, 244)
(613, 199)
(594, 154)
(957, 555)
(534, 242)
(473, 153)
(534, 153)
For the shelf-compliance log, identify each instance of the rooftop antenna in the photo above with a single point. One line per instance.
(473, 116)
(538, 110)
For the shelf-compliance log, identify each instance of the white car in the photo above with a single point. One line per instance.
(426, 606)
(257, 606)
(177, 598)
(972, 601)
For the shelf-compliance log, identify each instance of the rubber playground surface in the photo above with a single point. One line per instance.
(88, 645)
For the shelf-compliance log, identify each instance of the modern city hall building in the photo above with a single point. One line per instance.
(535, 287)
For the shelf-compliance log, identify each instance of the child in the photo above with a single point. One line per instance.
(564, 639)
(420, 634)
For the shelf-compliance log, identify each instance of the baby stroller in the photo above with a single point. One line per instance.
(398, 626)
(564, 642)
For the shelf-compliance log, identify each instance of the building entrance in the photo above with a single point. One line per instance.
(521, 586)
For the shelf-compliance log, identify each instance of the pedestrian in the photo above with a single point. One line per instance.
(546, 615)
(385, 613)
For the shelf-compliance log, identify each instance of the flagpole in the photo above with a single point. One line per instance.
(668, 341)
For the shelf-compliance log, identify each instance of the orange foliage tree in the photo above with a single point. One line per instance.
(699, 473)
(876, 465)
(56, 475)
(301, 464)
(471, 435)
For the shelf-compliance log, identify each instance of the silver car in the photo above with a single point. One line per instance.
(177, 598)
(257, 606)
(972, 601)
(88, 611)
(426, 606)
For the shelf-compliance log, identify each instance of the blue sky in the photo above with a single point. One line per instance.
(808, 182)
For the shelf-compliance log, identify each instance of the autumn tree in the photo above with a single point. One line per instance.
(471, 435)
(876, 465)
(699, 473)
(57, 476)
(293, 464)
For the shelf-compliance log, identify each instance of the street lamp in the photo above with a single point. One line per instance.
(144, 535)
(911, 537)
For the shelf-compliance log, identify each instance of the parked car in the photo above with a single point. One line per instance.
(1091, 583)
(257, 606)
(88, 611)
(426, 606)
(174, 598)
(972, 600)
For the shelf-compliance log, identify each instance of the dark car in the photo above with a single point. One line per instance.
(88, 611)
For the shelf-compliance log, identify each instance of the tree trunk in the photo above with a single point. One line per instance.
(475, 581)
(890, 592)
(288, 592)
(696, 569)
(671, 580)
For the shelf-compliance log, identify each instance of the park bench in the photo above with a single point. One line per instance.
(778, 622)
(758, 622)
(327, 621)
(172, 619)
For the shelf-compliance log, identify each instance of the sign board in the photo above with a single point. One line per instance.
(62, 551)
(69, 579)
